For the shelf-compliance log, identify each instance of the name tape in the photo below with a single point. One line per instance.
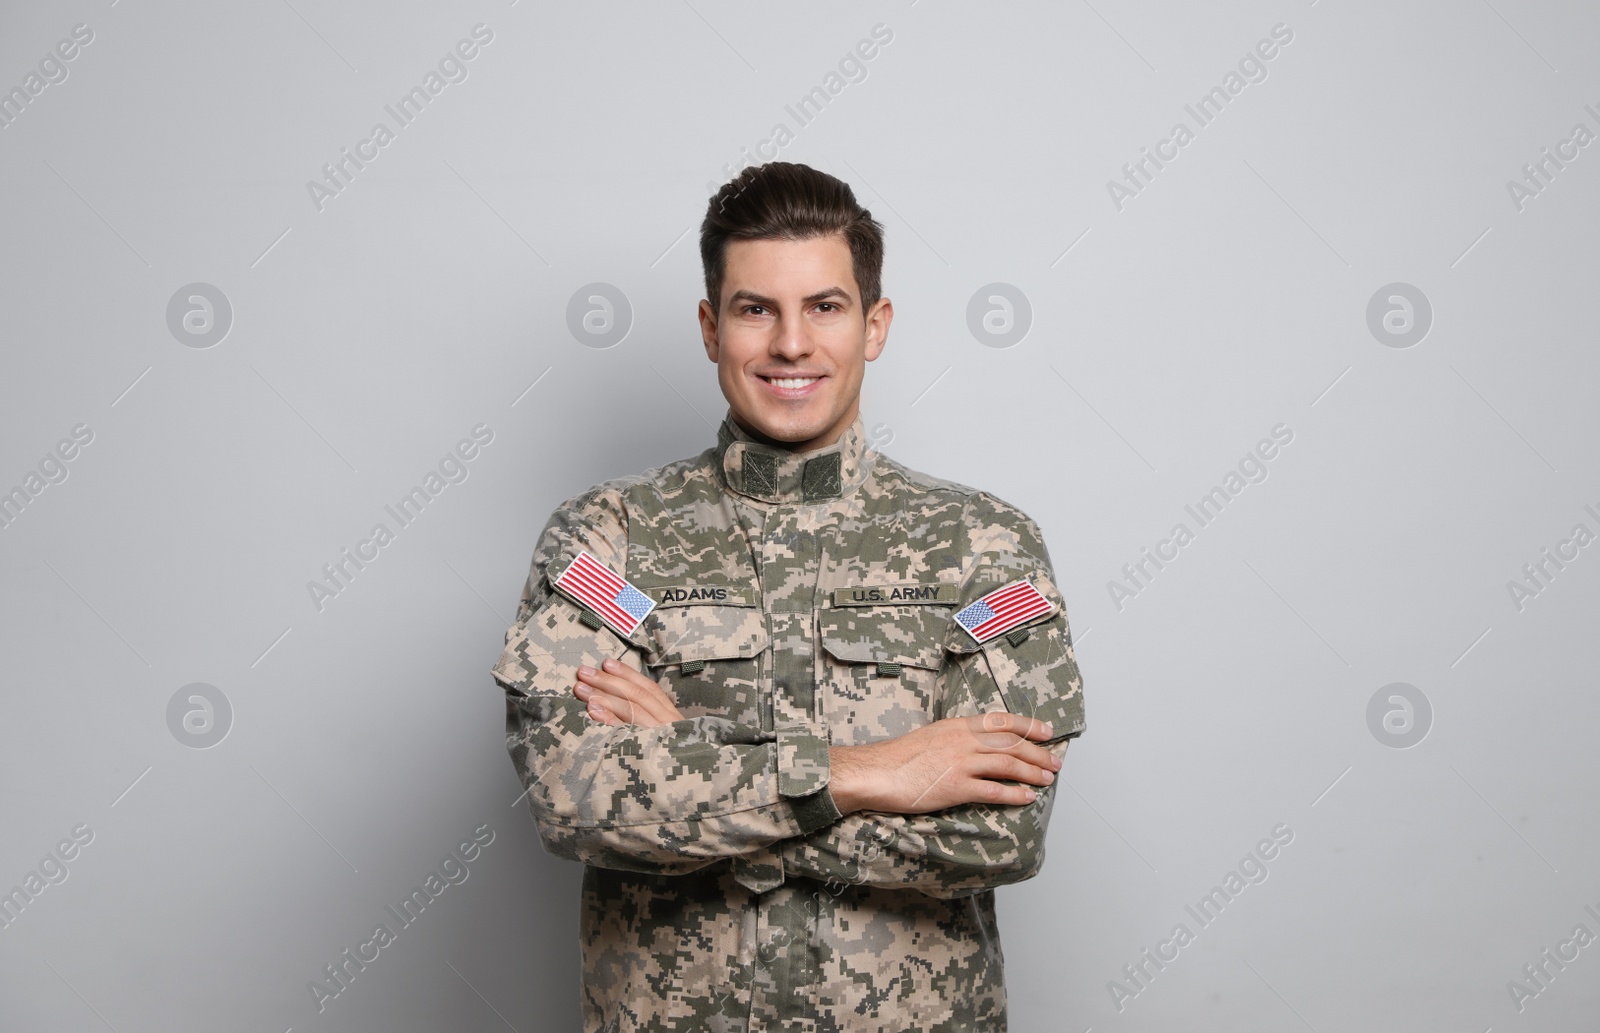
(689, 595)
(940, 594)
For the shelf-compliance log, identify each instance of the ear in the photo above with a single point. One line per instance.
(708, 329)
(878, 320)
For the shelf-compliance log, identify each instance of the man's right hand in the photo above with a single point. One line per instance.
(949, 762)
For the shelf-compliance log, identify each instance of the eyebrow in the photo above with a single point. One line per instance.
(825, 294)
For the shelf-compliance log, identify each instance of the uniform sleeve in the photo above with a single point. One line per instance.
(667, 799)
(969, 848)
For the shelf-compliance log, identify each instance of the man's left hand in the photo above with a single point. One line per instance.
(620, 695)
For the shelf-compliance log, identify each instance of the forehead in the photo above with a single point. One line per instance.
(795, 268)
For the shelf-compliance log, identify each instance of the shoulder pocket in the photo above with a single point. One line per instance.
(1030, 669)
(545, 649)
(1035, 675)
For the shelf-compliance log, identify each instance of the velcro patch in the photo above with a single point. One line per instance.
(612, 598)
(1003, 609)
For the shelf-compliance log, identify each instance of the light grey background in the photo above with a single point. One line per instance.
(1228, 697)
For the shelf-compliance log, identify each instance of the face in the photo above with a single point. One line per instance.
(791, 341)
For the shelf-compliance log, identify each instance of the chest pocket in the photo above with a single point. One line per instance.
(881, 669)
(709, 658)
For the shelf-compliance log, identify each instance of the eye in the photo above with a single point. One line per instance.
(828, 305)
(751, 309)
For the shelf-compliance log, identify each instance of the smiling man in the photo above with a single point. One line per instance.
(788, 700)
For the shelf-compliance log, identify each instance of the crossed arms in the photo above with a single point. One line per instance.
(617, 777)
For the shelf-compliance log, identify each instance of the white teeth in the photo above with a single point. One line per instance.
(793, 382)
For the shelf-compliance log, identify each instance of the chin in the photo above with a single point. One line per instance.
(789, 430)
(789, 433)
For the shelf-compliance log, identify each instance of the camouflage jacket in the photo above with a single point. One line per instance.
(802, 599)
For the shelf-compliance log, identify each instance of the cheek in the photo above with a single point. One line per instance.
(847, 380)
(848, 349)
(736, 355)
(730, 372)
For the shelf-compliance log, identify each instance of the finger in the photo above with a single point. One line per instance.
(998, 726)
(647, 696)
(621, 680)
(621, 670)
(1031, 727)
(1014, 744)
(599, 712)
(612, 685)
(645, 692)
(1039, 756)
(611, 680)
(1004, 765)
(629, 711)
(1016, 796)
(1000, 794)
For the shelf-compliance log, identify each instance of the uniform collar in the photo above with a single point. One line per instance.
(771, 474)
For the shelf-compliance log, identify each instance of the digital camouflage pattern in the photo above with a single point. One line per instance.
(802, 599)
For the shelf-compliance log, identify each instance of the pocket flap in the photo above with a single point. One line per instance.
(895, 634)
(675, 634)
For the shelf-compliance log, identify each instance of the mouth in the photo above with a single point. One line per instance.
(790, 386)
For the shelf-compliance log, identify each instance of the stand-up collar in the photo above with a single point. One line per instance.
(771, 474)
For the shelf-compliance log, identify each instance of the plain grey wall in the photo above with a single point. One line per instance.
(1354, 194)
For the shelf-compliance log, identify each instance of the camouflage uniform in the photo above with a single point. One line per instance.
(802, 599)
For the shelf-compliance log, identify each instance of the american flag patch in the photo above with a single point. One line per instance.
(1002, 610)
(616, 602)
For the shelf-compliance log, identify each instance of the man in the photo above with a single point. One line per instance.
(786, 699)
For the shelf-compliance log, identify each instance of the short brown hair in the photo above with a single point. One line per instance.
(787, 201)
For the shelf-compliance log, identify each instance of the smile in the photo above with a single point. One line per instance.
(791, 383)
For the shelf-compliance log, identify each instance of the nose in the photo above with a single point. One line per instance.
(790, 340)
